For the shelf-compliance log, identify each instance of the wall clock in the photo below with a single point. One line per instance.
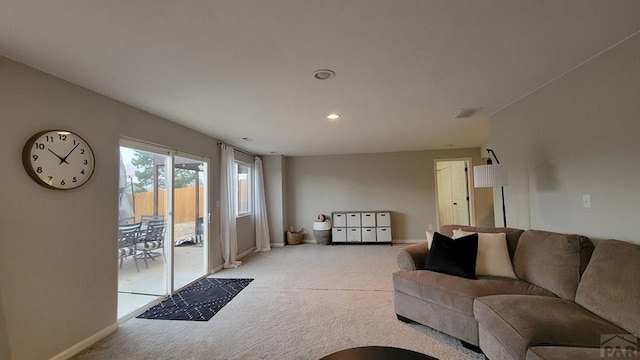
(58, 159)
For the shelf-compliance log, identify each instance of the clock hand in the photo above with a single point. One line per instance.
(64, 159)
(58, 156)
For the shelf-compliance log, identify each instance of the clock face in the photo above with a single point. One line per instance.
(58, 159)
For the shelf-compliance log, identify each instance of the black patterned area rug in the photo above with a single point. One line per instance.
(198, 302)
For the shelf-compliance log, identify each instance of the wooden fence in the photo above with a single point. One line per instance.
(184, 204)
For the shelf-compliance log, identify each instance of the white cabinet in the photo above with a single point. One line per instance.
(354, 234)
(364, 227)
(383, 234)
(368, 219)
(353, 219)
(369, 234)
(339, 219)
(339, 234)
(383, 219)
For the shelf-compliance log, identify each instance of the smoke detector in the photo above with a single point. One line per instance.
(466, 113)
(324, 74)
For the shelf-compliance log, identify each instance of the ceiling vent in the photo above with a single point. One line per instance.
(466, 113)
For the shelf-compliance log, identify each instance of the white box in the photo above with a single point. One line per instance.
(339, 219)
(354, 235)
(369, 219)
(383, 234)
(369, 234)
(353, 220)
(383, 219)
(339, 234)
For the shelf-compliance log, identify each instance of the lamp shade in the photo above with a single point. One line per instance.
(493, 175)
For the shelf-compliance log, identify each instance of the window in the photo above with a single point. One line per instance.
(243, 186)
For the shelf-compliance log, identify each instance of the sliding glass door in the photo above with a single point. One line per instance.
(163, 223)
(190, 192)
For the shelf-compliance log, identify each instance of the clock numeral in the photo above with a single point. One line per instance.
(86, 162)
(39, 146)
(75, 142)
(50, 178)
(35, 157)
(39, 170)
(82, 172)
(75, 179)
(82, 151)
(48, 138)
(63, 137)
(62, 182)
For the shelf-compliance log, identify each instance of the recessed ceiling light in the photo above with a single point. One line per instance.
(333, 116)
(323, 74)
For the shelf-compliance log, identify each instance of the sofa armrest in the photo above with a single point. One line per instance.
(412, 257)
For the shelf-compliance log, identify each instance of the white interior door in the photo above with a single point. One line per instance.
(452, 184)
(459, 192)
(445, 196)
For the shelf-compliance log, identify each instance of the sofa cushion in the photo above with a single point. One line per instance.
(577, 353)
(610, 286)
(493, 255)
(518, 322)
(457, 293)
(553, 261)
(512, 234)
(453, 257)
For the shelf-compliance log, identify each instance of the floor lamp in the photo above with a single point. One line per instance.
(492, 175)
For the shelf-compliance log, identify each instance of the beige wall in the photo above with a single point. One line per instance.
(274, 184)
(402, 182)
(578, 135)
(58, 268)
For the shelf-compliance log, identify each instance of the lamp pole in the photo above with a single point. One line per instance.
(504, 209)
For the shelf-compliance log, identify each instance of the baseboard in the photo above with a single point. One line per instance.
(77, 348)
(246, 253)
(410, 241)
(133, 314)
(216, 269)
(277, 245)
(309, 241)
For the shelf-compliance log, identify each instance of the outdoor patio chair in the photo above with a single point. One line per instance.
(152, 238)
(145, 219)
(128, 235)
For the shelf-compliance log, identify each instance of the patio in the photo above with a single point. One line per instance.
(138, 288)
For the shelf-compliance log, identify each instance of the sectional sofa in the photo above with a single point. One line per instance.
(569, 299)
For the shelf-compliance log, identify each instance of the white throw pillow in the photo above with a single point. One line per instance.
(493, 255)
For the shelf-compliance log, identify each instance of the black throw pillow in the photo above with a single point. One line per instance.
(454, 257)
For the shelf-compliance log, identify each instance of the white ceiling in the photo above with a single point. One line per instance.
(243, 68)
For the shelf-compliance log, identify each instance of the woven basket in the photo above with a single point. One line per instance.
(295, 237)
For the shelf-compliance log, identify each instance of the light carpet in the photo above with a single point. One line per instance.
(306, 301)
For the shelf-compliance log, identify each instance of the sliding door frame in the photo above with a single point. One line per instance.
(169, 244)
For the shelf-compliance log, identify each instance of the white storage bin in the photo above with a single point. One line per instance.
(339, 234)
(369, 219)
(383, 219)
(383, 234)
(369, 234)
(354, 235)
(339, 219)
(353, 220)
(322, 225)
